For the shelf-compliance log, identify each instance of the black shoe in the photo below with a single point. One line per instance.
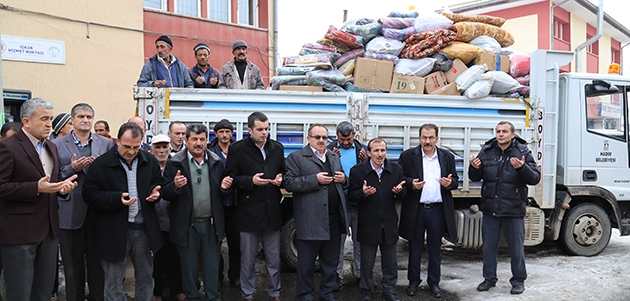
(486, 285)
(340, 284)
(436, 292)
(411, 290)
(391, 297)
(517, 288)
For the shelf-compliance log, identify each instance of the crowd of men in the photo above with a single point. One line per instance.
(66, 184)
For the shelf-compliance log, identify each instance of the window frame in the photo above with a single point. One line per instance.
(229, 11)
(624, 111)
(163, 4)
(255, 7)
(178, 13)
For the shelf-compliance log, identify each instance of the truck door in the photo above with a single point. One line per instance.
(605, 148)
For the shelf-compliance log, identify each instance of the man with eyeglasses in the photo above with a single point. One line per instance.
(197, 219)
(315, 177)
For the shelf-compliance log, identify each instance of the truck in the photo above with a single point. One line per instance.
(576, 125)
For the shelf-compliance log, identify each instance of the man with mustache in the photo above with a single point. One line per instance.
(164, 69)
(203, 75)
(428, 207)
(241, 73)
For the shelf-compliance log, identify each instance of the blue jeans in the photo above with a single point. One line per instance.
(202, 244)
(514, 230)
(142, 259)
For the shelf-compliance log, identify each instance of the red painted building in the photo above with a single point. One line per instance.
(573, 22)
(215, 22)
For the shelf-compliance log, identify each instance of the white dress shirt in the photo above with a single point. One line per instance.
(319, 155)
(431, 191)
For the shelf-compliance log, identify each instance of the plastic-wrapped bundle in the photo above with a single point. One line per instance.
(293, 70)
(276, 81)
(319, 46)
(470, 76)
(326, 85)
(480, 88)
(496, 21)
(419, 67)
(463, 51)
(486, 43)
(519, 65)
(385, 45)
(344, 38)
(430, 21)
(467, 31)
(397, 23)
(503, 82)
(381, 56)
(425, 44)
(442, 62)
(333, 76)
(348, 67)
(366, 28)
(399, 14)
(398, 34)
(523, 80)
(352, 54)
(311, 60)
(341, 48)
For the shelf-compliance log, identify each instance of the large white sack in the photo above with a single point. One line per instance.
(480, 88)
(385, 45)
(470, 76)
(419, 67)
(503, 82)
(429, 21)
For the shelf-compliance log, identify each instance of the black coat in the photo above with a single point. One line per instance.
(377, 211)
(180, 207)
(504, 188)
(258, 207)
(411, 163)
(104, 184)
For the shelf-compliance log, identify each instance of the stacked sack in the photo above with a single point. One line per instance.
(407, 52)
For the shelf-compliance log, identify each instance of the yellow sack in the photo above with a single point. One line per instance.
(467, 31)
(348, 67)
(463, 51)
(496, 21)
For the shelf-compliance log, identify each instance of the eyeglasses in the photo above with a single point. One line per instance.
(318, 137)
(199, 175)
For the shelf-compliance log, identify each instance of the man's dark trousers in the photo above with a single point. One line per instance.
(514, 228)
(389, 266)
(430, 219)
(308, 251)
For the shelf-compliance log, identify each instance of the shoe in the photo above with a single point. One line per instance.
(436, 292)
(340, 284)
(412, 290)
(486, 285)
(390, 297)
(517, 288)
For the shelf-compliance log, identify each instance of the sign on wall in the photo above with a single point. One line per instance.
(27, 49)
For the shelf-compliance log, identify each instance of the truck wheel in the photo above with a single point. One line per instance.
(586, 230)
(288, 251)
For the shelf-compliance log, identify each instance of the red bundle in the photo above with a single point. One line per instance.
(426, 43)
(343, 37)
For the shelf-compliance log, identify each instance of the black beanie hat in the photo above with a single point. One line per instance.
(59, 122)
(165, 39)
(223, 124)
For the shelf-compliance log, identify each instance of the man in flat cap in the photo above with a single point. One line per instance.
(164, 69)
(241, 73)
(202, 74)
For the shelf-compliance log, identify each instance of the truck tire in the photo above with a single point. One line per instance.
(586, 230)
(288, 251)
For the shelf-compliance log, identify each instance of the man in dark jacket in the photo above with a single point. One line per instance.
(257, 164)
(315, 177)
(506, 166)
(196, 211)
(122, 187)
(351, 152)
(375, 186)
(428, 207)
(164, 69)
(202, 74)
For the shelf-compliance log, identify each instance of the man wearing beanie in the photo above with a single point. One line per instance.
(240, 73)
(202, 74)
(61, 125)
(164, 69)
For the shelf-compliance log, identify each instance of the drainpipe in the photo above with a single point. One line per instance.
(274, 39)
(551, 27)
(600, 31)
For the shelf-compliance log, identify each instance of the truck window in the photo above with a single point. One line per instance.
(605, 113)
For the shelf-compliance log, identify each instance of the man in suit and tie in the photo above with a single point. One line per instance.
(29, 184)
(428, 206)
(76, 152)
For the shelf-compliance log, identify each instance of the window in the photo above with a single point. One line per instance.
(248, 12)
(560, 30)
(155, 4)
(605, 113)
(219, 10)
(187, 7)
(615, 56)
(593, 48)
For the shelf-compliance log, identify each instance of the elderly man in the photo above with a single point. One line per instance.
(164, 69)
(240, 73)
(315, 177)
(77, 151)
(29, 184)
(202, 74)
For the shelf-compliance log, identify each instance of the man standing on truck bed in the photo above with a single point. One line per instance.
(202, 74)
(241, 73)
(506, 166)
(164, 69)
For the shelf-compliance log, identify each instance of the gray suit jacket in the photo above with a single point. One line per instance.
(310, 199)
(73, 210)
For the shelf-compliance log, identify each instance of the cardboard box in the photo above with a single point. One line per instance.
(456, 70)
(407, 84)
(373, 74)
(301, 88)
(493, 61)
(450, 89)
(434, 81)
